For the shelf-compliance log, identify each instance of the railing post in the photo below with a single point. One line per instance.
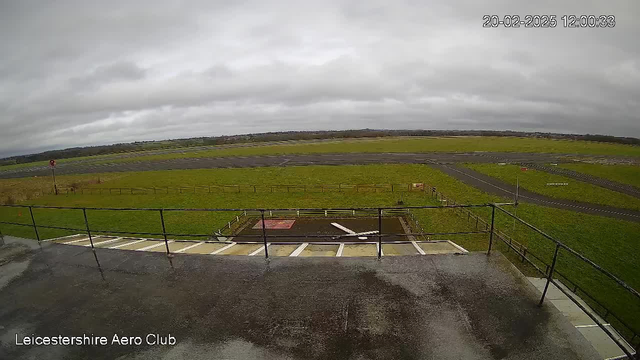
(493, 216)
(86, 223)
(550, 276)
(379, 233)
(164, 232)
(35, 227)
(264, 235)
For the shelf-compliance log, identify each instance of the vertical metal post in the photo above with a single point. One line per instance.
(86, 224)
(35, 227)
(379, 233)
(264, 235)
(55, 187)
(164, 232)
(550, 276)
(493, 216)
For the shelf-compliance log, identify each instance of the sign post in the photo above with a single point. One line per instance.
(52, 165)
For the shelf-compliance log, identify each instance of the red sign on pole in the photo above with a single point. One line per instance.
(52, 163)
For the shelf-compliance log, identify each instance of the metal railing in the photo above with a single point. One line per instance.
(240, 188)
(550, 271)
(379, 212)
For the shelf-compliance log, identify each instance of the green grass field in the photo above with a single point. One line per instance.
(537, 181)
(626, 174)
(610, 243)
(391, 144)
(399, 145)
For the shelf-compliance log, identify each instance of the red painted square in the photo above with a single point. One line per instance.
(274, 224)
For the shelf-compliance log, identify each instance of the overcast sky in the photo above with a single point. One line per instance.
(97, 72)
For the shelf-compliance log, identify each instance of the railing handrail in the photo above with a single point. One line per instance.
(249, 209)
(575, 253)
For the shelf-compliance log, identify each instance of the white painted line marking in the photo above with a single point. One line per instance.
(127, 244)
(299, 249)
(62, 237)
(189, 247)
(458, 246)
(75, 241)
(105, 242)
(259, 250)
(154, 246)
(340, 249)
(378, 249)
(415, 245)
(591, 325)
(222, 249)
(348, 231)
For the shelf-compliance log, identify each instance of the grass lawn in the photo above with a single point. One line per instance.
(537, 181)
(419, 144)
(16, 190)
(610, 243)
(626, 174)
(391, 144)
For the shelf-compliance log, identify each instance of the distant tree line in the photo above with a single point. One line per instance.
(292, 135)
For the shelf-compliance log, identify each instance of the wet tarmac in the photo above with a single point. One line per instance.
(292, 160)
(492, 185)
(232, 307)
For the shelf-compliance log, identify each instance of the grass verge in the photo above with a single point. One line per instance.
(626, 174)
(610, 243)
(536, 181)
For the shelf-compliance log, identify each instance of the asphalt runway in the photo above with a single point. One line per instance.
(292, 160)
(605, 183)
(494, 186)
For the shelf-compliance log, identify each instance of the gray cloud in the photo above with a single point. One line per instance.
(82, 72)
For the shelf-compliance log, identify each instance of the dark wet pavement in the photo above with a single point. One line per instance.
(498, 187)
(291, 160)
(418, 307)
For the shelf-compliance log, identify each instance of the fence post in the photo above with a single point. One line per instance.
(164, 232)
(35, 227)
(379, 233)
(493, 215)
(264, 236)
(86, 223)
(550, 276)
